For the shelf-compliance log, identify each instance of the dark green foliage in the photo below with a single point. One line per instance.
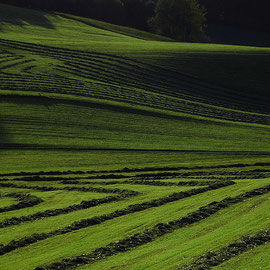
(180, 19)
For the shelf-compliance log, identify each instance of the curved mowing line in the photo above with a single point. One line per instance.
(84, 223)
(150, 77)
(38, 178)
(141, 98)
(215, 258)
(132, 77)
(16, 64)
(10, 58)
(154, 233)
(146, 169)
(144, 182)
(82, 189)
(115, 58)
(56, 212)
(25, 202)
(147, 183)
(83, 55)
(253, 174)
(135, 180)
(138, 97)
(175, 77)
(128, 80)
(150, 179)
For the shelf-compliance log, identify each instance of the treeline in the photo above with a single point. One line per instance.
(252, 14)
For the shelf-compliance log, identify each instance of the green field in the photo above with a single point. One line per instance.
(122, 149)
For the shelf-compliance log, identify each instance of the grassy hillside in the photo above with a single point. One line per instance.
(247, 68)
(122, 151)
(117, 28)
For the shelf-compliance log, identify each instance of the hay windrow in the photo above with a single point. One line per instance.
(152, 234)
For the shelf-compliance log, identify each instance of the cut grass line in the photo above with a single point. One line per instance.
(144, 182)
(37, 178)
(16, 64)
(82, 189)
(25, 201)
(63, 54)
(215, 258)
(133, 170)
(154, 233)
(15, 244)
(56, 212)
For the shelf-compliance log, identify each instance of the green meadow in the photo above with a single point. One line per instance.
(122, 149)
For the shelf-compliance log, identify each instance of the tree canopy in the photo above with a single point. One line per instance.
(180, 19)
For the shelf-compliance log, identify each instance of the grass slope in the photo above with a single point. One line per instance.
(117, 28)
(129, 141)
(247, 69)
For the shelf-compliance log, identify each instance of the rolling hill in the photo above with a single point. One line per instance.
(122, 149)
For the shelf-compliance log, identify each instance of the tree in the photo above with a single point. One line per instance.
(182, 20)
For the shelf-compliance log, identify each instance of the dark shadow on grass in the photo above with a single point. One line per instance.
(28, 100)
(22, 17)
(4, 137)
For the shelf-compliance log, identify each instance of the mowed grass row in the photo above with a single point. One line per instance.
(249, 260)
(78, 97)
(148, 192)
(53, 223)
(30, 160)
(184, 246)
(246, 67)
(140, 220)
(128, 96)
(51, 200)
(123, 73)
(32, 123)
